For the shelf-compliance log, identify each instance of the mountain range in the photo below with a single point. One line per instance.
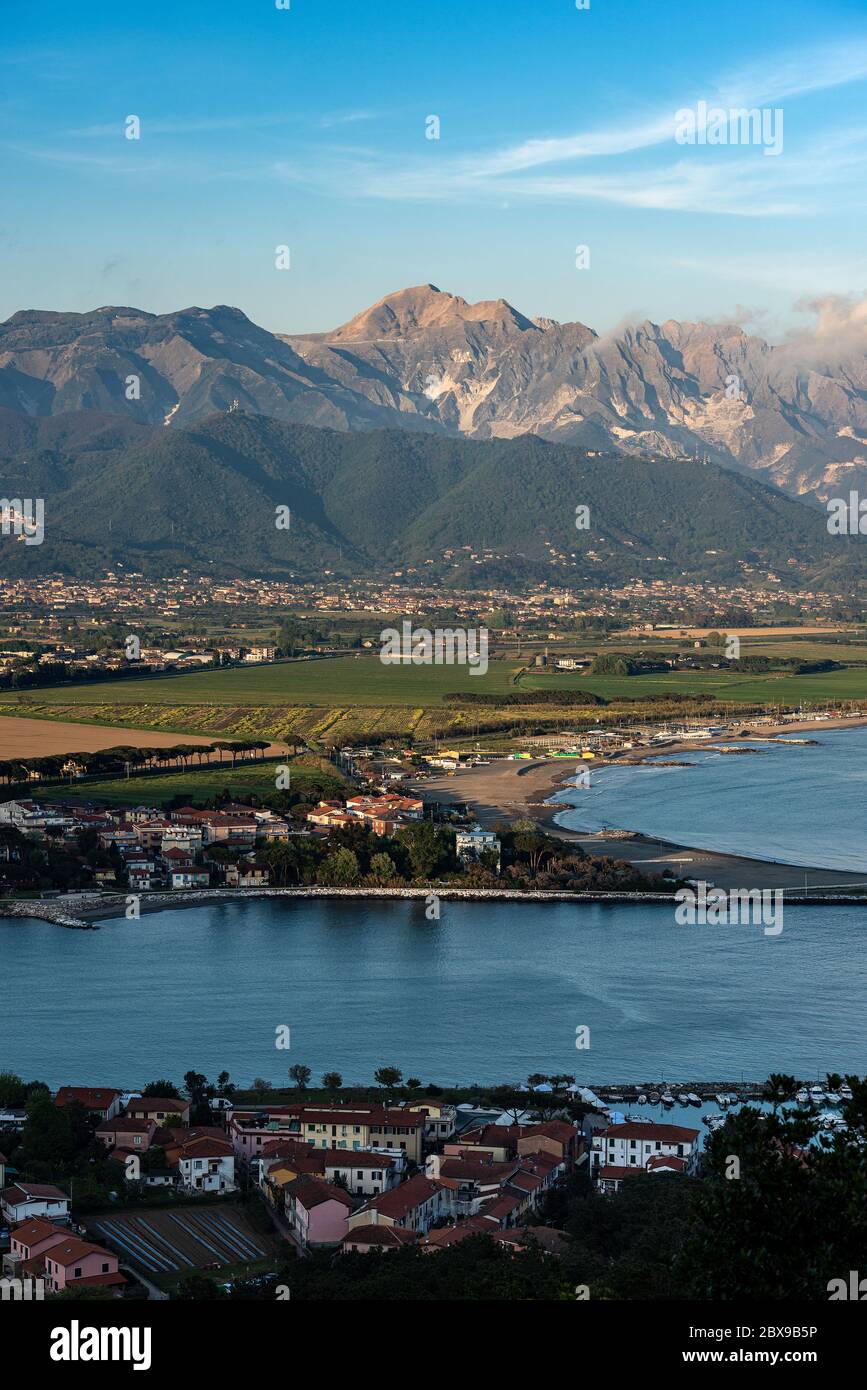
(207, 495)
(426, 361)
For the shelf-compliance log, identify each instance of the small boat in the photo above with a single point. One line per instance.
(667, 1098)
(721, 1099)
(845, 1092)
(832, 1097)
(732, 1098)
(642, 1099)
(693, 1098)
(713, 1121)
(634, 1119)
(682, 1098)
(653, 1098)
(802, 1096)
(817, 1095)
(828, 1119)
(615, 1098)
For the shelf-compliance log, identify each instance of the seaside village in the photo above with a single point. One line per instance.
(344, 1177)
(143, 848)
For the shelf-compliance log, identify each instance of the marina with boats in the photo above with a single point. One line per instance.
(678, 1102)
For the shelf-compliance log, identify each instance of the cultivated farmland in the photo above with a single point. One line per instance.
(167, 1244)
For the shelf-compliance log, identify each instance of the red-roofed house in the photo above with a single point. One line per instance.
(206, 1164)
(416, 1204)
(316, 1212)
(101, 1101)
(25, 1199)
(29, 1240)
(127, 1133)
(158, 1108)
(632, 1146)
(385, 1238)
(78, 1262)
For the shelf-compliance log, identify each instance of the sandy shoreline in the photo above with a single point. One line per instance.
(507, 791)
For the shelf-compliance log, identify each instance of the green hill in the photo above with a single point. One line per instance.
(207, 497)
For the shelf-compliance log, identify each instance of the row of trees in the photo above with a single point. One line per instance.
(123, 756)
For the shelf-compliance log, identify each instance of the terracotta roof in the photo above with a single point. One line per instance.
(124, 1122)
(170, 1104)
(205, 1147)
(375, 1116)
(477, 1170)
(24, 1191)
(615, 1170)
(662, 1161)
(641, 1129)
(91, 1097)
(346, 1158)
(310, 1192)
(73, 1249)
(451, 1235)
(501, 1206)
(380, 1235)
(32, 1231)
(95, 1280)
(405, 1198)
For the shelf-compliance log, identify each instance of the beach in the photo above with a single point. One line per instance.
(509, 790)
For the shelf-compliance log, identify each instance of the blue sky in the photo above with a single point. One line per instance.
(262, 127)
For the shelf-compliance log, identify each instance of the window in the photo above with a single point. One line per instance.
(105, 1269)
(77, 1272)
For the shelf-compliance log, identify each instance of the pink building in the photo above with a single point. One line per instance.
(316, 1212)
(75, 1261)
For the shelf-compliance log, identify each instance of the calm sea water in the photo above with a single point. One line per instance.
(797, 804)
(490, 993)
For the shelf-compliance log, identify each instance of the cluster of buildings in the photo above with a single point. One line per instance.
(384, 815)
(180, 849)
(338, 1175)
(45, 1245)
(122, 596)
(352, 1176)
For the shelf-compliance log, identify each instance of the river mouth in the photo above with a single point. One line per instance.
(486, 996)
(792, 803)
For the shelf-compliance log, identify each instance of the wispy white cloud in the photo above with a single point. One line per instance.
(585, 165)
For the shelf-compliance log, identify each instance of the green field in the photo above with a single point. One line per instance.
(199, 786)
(779, 688)
(334, 681)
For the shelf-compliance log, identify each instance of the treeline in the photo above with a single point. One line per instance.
(563, 696)
(113, 761)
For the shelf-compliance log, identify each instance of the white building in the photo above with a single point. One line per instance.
(643, 1145)
(471, 844)
(26, 1199)
(207, 1165)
